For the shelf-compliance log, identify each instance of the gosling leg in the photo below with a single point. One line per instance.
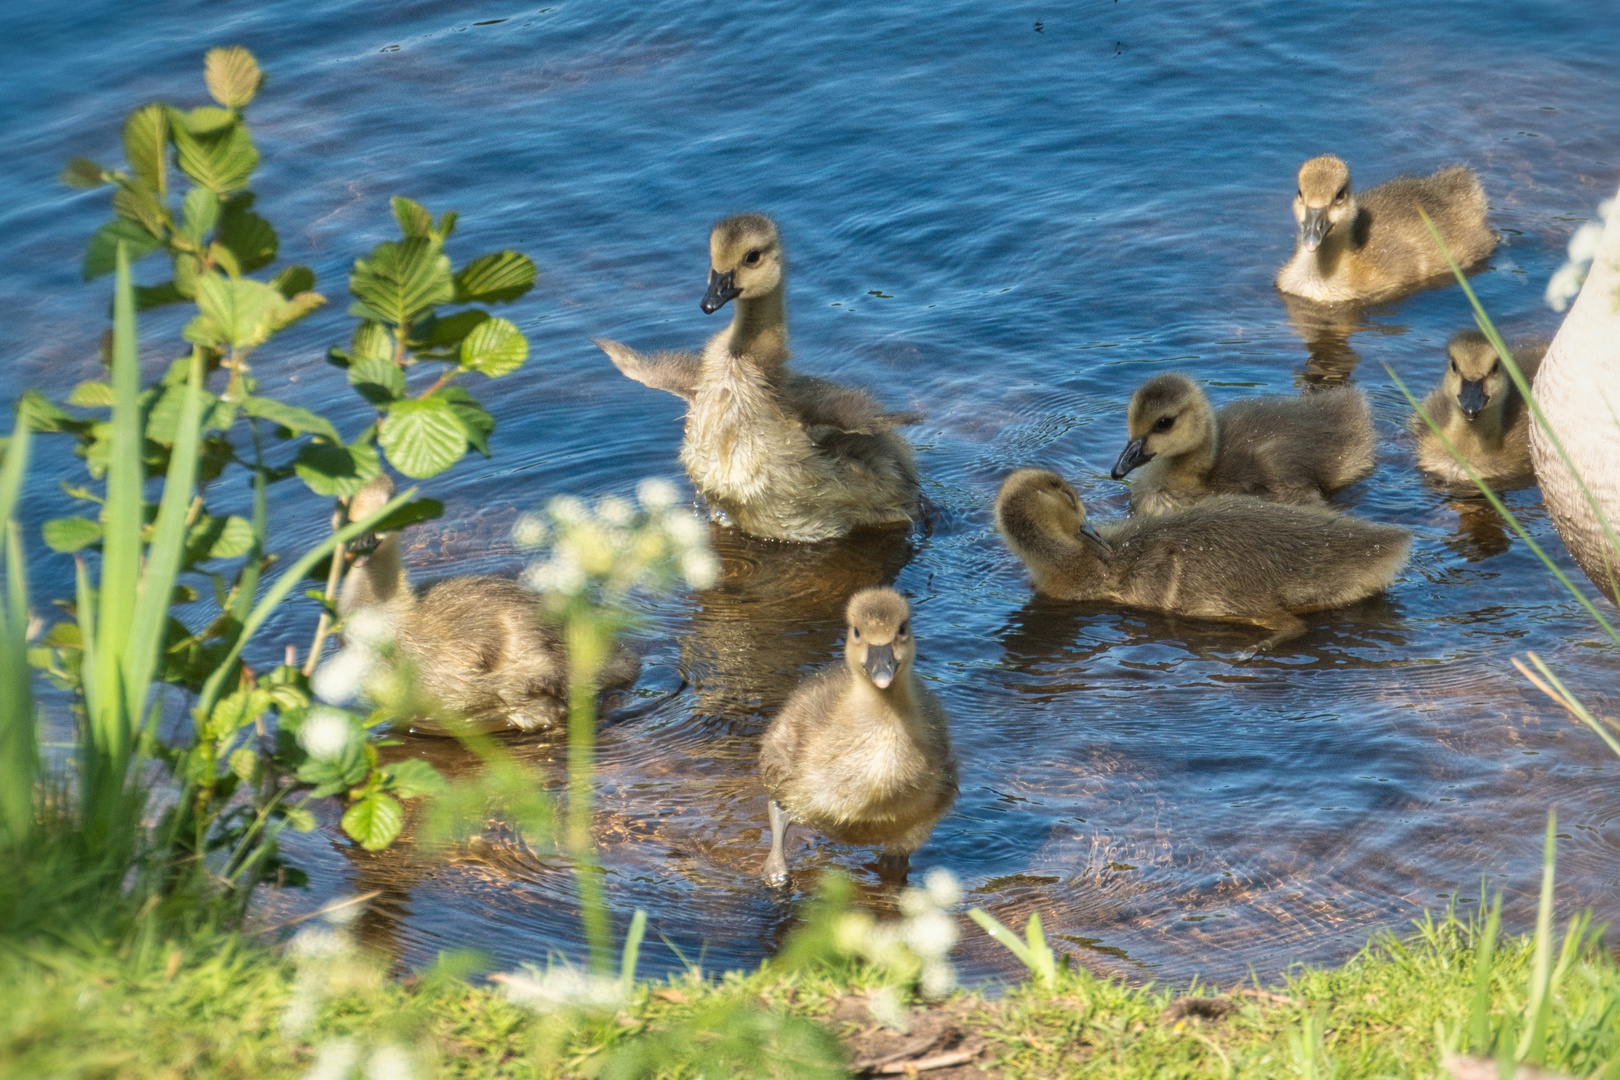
(894, 866)
(1286, 627)
(776, 870)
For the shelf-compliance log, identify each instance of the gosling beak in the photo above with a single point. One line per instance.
(1095, 539)
(364, 544)
(1472, 398)
(1314, 227)
(722, 287)
(880, 664)
(1135, 454)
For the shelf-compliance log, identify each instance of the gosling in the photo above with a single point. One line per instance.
(1231, 557)
(478, 655)
(1481, 413)
(1375, 246)
(1285, 449)
(861, 752)
(784, 456)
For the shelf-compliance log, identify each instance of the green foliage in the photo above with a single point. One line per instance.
(1033, 951)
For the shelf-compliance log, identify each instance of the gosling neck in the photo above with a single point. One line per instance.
(759, 328)
(896, 700)
(1190, 468)
(380, 580)
(1484, 430)
(1337, 243)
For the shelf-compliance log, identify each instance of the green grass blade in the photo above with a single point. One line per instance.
(248, 585)
(1479, 1022)
(19, 739)
(167, 549)
(1538, 1009)
(997, 930)
(84, 606)
(285, 584)
(632, 950)
(1573, 703)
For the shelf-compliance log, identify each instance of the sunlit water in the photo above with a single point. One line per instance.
(1006, 216)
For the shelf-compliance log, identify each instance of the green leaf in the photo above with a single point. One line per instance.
(162, 422)
(413, 217)
(234, 311)
(447, 331)
(219, 538)
(235, 712)
(207, 120)
(374, 821)
(412, 513)
(233, 76)
(250, 237)
(423, 437)
(222, 161)
(402, 281)
(151, 296)
(291, 417)
(70, 533)
(101, 255)
(495, 278)
(293, 280)
(187, 269)
(137, 202)
(337, 471)
(297, 307)
(495, 347)
(43, 415)
(473, 416)
(371, 341)
(379, 381)
(199, 213)
(91, 394)
(413, 778)
(146, 145)
(83, 173)
(244, 764)
(299, 819)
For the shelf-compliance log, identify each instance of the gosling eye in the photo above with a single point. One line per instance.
(1455, 369)
(905, 629)
(1496, 367)
(855, 632)
(1165, 423)
(1299, 193)
(752, 258)
(1342, 193)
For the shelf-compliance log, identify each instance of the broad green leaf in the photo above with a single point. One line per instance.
(371, 341)
(447, 225)
(378, 381)
(299, 819)
(146, 145)
(473, 416)
(495, 347)
(296, 308)
(402, 281)
(235, 712)
(162, 422)
(374, 821)
(250, 237)
(235, 311)
(70, 533)
(186, 269)
(207, 120)
(413, 217)
(423, 437)
(493, 278)
(337, 471)
(224, 259)
(91, 394)
(293, 280)
(442, 333)
(199, 214)
(137, 202)
(151, 296)
(331, 775)
(291, 417)
(244, 764)
(219, 538)
(43, 415)
(413, 778)
(233, 76)
(83, 173)
(222, 162)
(412, 513)
(100, 256)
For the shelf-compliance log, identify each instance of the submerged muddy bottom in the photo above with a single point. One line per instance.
(1006, 229)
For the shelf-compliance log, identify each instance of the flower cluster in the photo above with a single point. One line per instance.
(562, 989)
(1565, 284)
(601, 553)
(917, 946)
(356, 668)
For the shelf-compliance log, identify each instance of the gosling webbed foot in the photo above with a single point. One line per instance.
(893, 868)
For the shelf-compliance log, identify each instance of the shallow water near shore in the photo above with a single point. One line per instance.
(1004, 217)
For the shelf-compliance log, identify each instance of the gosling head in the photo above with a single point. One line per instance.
(1168, 415)
(367, 501)
(1038, 503)
(879, 646)
(1475, 377)
(745, 260)
(1324, 199)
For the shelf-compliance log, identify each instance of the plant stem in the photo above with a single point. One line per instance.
(586, 638)
(334, 574)
(440, 382)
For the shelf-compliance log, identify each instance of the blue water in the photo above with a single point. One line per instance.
(1006, 216)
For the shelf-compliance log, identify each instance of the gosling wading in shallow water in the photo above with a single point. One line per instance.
(784, 456)
(1231, 557)
(861, 752)
(1285, 449)
(1374, 245)
(1481, 413)
(475, 646)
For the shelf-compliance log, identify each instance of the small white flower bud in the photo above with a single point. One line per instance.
(943, 888)
(568, 509)
(938, 979)
(529, 531)
(390, 1061)
(341, 678)
(326, 733)
(931, 935)
(684, 528)
(615, 510)
(700, 567)
(656, 494)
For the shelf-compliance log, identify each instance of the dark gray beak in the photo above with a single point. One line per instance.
(880, 664)
(1472, 398)
(722, 288)
(1095, 539)
(1134, 455)
(1314, 227)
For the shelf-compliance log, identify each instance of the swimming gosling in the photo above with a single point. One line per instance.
(1231, 557)
(1481, 413)
(784, 456)
(1285, 449)
(1375, 245)
(861, 752)
(475, 646)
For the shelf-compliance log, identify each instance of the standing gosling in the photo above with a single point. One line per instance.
(1480, 411)
(1230, 557)
(1376, 245)
(1286, 449)
(474, 646)
(784, 456)
(861, 752)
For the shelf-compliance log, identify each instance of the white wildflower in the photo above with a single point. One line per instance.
(390, 1061)
(340, 679)
(319, 943)
(370, 626)
(884, 1006)
(336, 1061)
(615, 510)
(656, 494)
(1565, 283)
(343, 911)
(560, 574)
(700, 567)
(568, 510)
(931, 935)
(938, 979)
(326, 733)
(1583, 246)
(562, 988)
(684, 528)
(529, 531)
(942, 887)
(1564, 286)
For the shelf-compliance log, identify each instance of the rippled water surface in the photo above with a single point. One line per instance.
(1005, 216)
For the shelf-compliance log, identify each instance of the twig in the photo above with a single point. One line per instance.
(336, 905)
(938, 1061)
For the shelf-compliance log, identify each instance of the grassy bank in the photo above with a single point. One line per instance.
(225, 1006)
